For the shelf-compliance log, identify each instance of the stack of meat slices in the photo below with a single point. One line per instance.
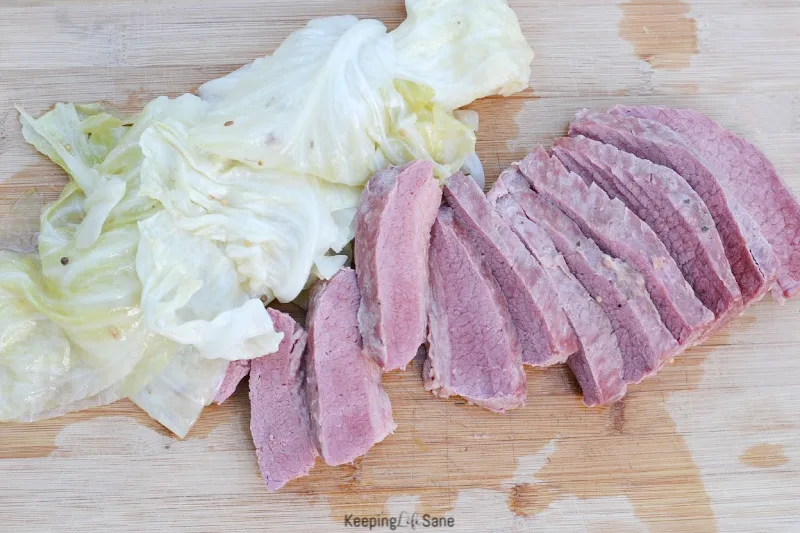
(634, 238)
(655, 227)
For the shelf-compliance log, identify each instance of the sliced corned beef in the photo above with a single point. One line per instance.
(393, 227)
(754, 181)
(621, 234)
(279, 418)
(543, 330)
(646, 344)
(751, 257)
(667, 203)
(598, 364)
(235, 373)
(350, 412)
(473, 351)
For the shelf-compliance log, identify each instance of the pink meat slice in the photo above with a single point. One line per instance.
(279, 419)
(666, 202)
(473, 351)
(393, 225)
(236, 372)
(598, 364)
(751, 257)
(754, 181)
(644, 340)
(350, 412)
(621, 234)
(544, 333)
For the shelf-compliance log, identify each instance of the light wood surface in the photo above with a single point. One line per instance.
(710, 444)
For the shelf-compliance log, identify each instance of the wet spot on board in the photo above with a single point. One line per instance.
(38, 439)
(661, 32)
(764, 456)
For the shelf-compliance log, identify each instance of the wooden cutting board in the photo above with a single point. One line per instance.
(710, 444)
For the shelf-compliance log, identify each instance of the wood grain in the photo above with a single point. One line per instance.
(710, 444)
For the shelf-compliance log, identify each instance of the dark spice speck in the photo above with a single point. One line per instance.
(64, 260)
(704, 229)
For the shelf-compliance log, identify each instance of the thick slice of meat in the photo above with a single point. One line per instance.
(754, 181)
(752, 260)
(235, 373)
(646, 344)
(621, 234)
(598, 365)
(473, 350)
(663, 200)
(544, 333)
(393, 227)
(279, 419)
(350, 411)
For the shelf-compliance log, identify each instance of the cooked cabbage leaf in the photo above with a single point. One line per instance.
(176, 396)
(333, 103)
(316, 106)
(462, 49)
(191, 294)
(73, 332)
(275, 226)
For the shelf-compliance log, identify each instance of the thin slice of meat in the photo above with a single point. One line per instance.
(350, 412)
(671, 208)
(236, 372)
(754, 181)
(473, 351)
(598, 365)
(279, 419)
(646, 344)
(752, 260)
(544, 333)
(393, 227)
(621, 234)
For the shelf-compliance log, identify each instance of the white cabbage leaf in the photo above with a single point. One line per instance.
(276, 227)
(72, 332)
(316, 106)
(421, 129)
(462, 49)
(191, 294)
(328, 104)
(176, 396)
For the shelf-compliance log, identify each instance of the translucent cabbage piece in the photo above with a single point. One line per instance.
(421, 129)
(72, 332)
(334, 102)
(462, 49)
(276, 227)
(191, 294)
(176, 396)
(316, 106)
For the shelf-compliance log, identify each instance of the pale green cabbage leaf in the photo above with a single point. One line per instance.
(191, 294)
(275, 227)
(72, 331)
(462, 49)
